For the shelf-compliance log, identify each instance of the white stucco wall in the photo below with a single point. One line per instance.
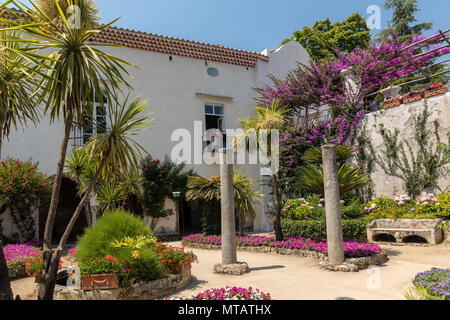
(171, 87)
(282, 60)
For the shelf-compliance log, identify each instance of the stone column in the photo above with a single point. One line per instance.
(229, 255)
(332, 206)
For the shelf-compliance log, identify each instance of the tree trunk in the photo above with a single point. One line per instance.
(277, 199)
(1, 142)
(5, 285)
(48, 232)
(241, 224)
(48, 280)
(87, 212)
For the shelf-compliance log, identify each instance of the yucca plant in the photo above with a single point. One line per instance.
(76, 68)
(246, 198)
(109, 196)
(274, 117)
(114, 146)
(19, 83)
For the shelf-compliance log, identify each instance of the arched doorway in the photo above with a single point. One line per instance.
(190, 217)
(68, 202)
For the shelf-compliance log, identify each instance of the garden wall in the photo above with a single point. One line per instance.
(402, 118)
(10, 230)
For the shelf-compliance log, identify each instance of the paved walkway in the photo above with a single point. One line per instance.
(299, 278)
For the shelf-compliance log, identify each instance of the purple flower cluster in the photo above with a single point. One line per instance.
(435, 281)
(322, 83)
(14, 252)
(351, 249)
(229, 293)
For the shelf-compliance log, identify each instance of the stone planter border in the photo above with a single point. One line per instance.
(350, 264)
(393, 103)
(412, 98)
(436, 91)
(142, 291)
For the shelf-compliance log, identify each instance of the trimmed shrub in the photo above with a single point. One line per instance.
(147, 268)
(317, 229)
(113, 226)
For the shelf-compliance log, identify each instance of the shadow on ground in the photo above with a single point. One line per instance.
(267, 268)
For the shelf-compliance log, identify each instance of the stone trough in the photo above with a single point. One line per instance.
(406, 230)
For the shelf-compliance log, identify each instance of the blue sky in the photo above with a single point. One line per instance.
(247, 24)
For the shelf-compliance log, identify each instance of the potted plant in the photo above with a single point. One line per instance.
(413, 96)
(100, 273)
(435, 90)
(34, 266)
(392, 102)
(177, 260)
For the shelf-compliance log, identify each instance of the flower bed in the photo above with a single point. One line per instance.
(434, 283)
(404, 207)
(17, 255)
(393, 102)
(435, 89)
(413, 96)
(229, 293)
(177, 260)
(351, 249)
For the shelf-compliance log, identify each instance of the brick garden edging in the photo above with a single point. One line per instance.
(142, 291)
(350, 264)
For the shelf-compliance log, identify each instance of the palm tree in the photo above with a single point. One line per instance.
(246, 197)
(76, 68)
(18, 83)
(311, 177)
(269, 118)
(110, 196)
(114, 146)
(77, 167)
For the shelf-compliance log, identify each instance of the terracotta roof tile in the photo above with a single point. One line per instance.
(179, 47)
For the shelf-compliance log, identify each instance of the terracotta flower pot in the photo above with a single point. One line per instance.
(180, 268)
(99, 282)
(392, 103)
(414, 97)
(436, 91)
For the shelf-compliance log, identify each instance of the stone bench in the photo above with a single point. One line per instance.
(403, 230)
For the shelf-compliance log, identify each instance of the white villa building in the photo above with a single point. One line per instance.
(184, 82)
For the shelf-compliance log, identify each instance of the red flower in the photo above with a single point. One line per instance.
(109, 257)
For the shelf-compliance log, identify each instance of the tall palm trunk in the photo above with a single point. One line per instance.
(58, 178)
(48, 280)
(49, 254)
(277, 198)
(1, 141)
(241, 219)
(5, 285)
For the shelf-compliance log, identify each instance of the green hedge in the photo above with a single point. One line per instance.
(354, 229)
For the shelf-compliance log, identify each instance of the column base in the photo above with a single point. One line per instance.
(236, 269)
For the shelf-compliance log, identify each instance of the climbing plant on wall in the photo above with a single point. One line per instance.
(22, 188)
(160, 180)
(418, 170)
